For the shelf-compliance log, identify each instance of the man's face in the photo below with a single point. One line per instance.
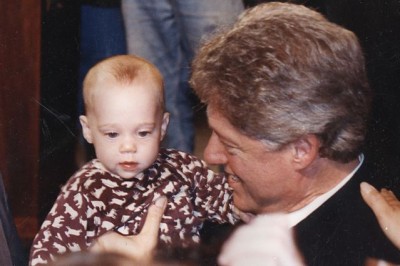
(262, 180)
(126, 126)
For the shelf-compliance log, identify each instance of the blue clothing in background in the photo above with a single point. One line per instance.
(102, 35)
(167, 33)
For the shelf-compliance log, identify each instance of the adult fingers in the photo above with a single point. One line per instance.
(110, 241)
(137, 247)
(374, 199)
(244, 216)
(153, 219)
(390, 198)
(147, 239)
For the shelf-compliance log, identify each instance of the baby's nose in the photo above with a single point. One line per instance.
(128, 145)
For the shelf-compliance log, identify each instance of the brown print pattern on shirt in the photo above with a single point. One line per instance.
(95, 201)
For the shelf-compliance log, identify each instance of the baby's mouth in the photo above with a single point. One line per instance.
(129, 166)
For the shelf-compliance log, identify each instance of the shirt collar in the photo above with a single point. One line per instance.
(298, 215)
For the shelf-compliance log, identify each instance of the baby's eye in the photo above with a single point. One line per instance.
(111, 135)
(143, 133)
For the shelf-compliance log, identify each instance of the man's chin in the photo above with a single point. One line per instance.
(240, 205)
(243, 206)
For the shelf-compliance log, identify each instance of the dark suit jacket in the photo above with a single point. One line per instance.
(344, 231)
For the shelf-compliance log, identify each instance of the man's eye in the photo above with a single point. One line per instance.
(230, 149)
(143, 134)
(111, 135)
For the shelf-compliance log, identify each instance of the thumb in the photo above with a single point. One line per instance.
(244, 216)
(153, 219)
(373, 198)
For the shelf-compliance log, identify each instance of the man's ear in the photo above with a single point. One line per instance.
(87, 133)
(305, 151)
(164, 125)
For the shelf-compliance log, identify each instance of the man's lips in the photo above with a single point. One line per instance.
(129, 166)
(233, 179)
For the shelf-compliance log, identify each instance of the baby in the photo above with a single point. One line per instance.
(125, 121)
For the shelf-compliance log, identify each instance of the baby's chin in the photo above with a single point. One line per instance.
(130, 175)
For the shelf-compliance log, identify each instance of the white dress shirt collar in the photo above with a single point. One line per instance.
(298, 215)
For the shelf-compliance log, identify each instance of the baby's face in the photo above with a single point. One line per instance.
(126, 126)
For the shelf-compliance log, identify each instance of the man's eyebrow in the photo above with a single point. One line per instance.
(226, 141)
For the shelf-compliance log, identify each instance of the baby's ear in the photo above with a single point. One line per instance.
(87, 133)
(164, 125)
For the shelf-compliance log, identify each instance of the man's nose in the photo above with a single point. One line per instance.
(215, 153)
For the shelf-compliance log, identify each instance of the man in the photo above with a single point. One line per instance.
(288, 100)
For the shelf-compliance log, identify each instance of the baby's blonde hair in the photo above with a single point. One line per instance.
(122, 69)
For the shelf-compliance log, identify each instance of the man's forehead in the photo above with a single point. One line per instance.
(219, 123)
(212, 111)
(213, 115)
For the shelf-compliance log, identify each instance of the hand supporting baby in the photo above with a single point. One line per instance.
(138, 247)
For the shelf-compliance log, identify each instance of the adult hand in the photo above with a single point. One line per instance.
(266, 240)
(244, 216)
(138, 247)
(386, 207)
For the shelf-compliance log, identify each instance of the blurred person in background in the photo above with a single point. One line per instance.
(167, 33)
